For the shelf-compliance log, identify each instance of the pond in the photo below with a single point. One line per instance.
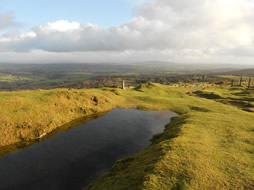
(73, 158)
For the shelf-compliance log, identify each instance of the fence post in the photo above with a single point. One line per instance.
(232, 82)
(249, 84)
(241, 80)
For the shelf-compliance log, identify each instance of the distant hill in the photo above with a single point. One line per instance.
(141, 67)
(30, 76)
(244, 72)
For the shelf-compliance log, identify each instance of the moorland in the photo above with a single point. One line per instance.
(208, 146)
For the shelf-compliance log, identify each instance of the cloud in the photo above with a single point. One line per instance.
(7, 20)
(60, 26)
(191, 29)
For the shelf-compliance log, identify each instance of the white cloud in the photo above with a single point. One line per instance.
(60, 26)
(184, 29)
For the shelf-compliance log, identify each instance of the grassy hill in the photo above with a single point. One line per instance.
(210, 145)
(26, 115)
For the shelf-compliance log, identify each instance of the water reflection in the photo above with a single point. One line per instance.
(73, 158)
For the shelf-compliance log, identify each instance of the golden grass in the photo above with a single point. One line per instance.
(26, 115)
(210, 145)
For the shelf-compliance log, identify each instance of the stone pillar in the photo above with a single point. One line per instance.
(204, 77)
(123, 86)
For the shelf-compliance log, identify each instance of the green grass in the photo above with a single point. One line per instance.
(25, 115)
(210, 145)
(30, 81)
(69, 78)
(240, 97)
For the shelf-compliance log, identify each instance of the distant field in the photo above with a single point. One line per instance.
(25, 81)
(235, 77)
(32, 76)
(12, 79)
(68, 78)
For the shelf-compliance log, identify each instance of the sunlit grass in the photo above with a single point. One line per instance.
(25, 115)
(210, 145)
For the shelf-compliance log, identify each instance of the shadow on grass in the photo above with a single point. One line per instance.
(242, 102)
(172, 130)
(195, 108)
(237, 88)
(208, 95)
(243, 93)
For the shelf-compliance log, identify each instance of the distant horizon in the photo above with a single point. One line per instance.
(135, 63)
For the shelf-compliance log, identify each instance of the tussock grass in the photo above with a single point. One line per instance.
(238, 96)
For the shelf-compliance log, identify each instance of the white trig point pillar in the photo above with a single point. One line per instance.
(123, 85)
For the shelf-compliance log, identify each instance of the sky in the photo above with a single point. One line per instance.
(84, 31)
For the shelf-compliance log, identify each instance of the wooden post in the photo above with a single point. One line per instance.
(241, 80)
(232, 82)
(249, 84)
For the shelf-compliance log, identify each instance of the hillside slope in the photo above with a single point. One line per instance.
(244, 72)
(26, 115)
(209, 146)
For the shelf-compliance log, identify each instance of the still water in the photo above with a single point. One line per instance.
(73, 158)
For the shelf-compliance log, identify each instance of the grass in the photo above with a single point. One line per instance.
(32, 81)
(238, 96)
(72, 77)
(210, 145)
(25, 115)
